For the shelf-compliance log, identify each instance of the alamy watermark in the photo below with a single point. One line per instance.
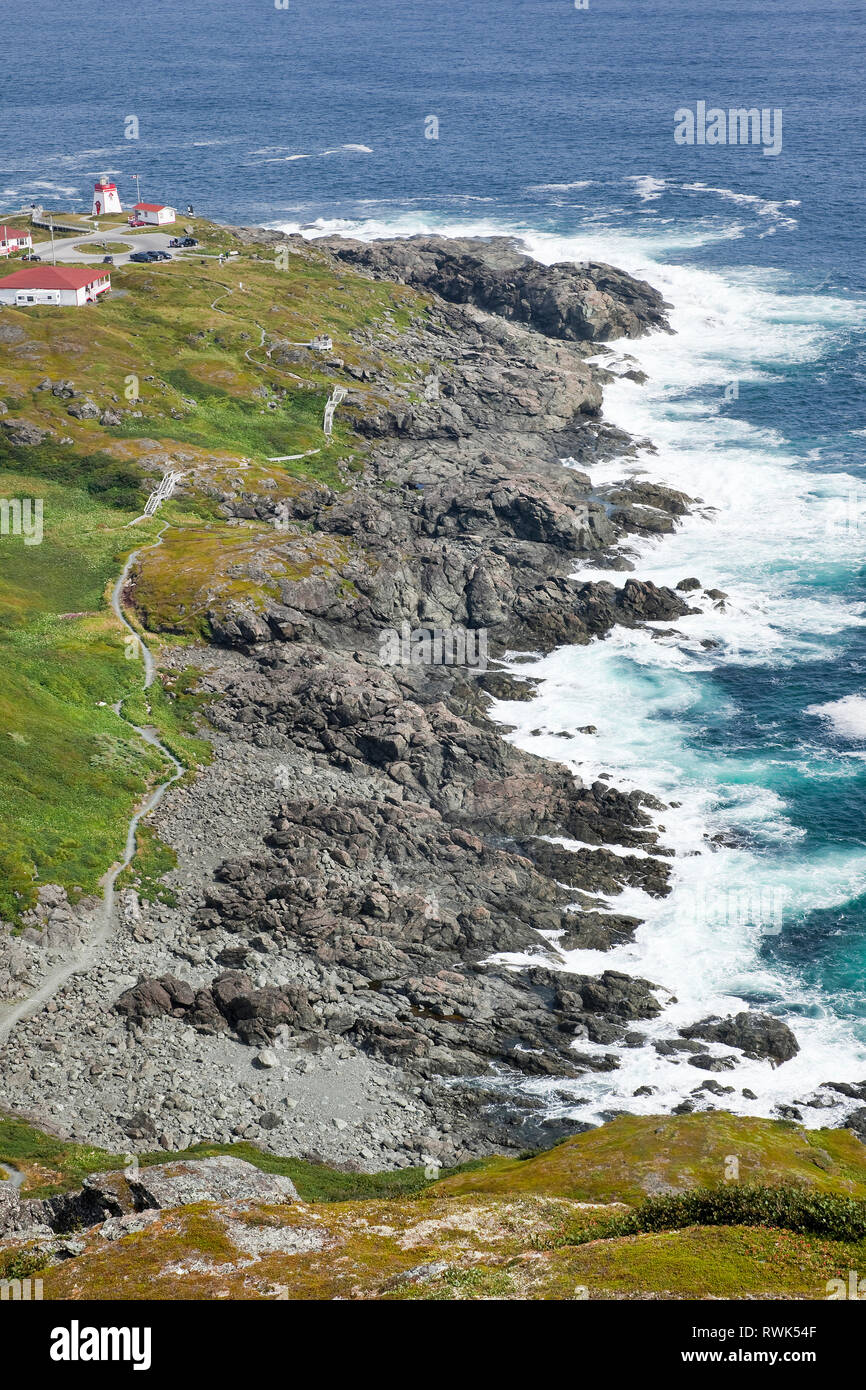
(855, 1288)
(20, 1290)
(845, 514)
(738, 125)
(22, 516)
(760, 907)
(434, 646)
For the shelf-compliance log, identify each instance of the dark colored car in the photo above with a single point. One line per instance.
(158, 256)
(140, 256)
(108, 260)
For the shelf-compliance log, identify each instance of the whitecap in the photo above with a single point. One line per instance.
(847, 716)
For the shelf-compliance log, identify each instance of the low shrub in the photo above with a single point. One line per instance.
(785, 1208)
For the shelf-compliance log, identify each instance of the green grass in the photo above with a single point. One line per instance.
(635, 1155)
(51, 1164)
(220, 421)
(173, 708)
(56, 1165)
(184, 338)
(70, 769)
(151, 862)
(315, 1181)
(116, 484)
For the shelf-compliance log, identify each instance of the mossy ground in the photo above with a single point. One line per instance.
(479, 1249)
(200, 569)
(633, 1157)
(376, 1236)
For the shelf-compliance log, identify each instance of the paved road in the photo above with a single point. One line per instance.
(67, 248)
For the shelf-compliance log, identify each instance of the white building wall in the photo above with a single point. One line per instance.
(70, 299)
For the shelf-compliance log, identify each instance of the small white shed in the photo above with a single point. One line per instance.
(155, 214)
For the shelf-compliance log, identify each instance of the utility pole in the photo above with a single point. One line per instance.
(51, 226)
(137, 187)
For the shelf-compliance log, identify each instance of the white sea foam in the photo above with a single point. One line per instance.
(269, 157)
(558, 187)
(647, 188)
(847, 716)
(774, 211)
(766, 532)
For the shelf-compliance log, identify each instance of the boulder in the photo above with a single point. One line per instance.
(105, 1196)
(757, 1035)
(222, 1179)
(83, 410)
(23, 433)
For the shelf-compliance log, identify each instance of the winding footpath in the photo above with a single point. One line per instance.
(84, 960)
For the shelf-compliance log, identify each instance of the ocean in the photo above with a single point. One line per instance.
(556, 123)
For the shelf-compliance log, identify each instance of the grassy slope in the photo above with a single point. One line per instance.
(633, 1157)
(503, 1229)
(190, 334)
(69, 768)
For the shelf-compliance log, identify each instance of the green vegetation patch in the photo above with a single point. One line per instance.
(145, 874)
(731, 1262)
(737, 1204)
(55, 1165)
(636, 1155)
(70, 769)
(105, 479)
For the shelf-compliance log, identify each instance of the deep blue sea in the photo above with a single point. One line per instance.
(557, 123)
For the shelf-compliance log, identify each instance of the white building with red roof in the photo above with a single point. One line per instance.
(13, 240)
(64, 285)
(154, 214)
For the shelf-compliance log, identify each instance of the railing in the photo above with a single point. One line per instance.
(39, 219)
(165, 488)
(338, 394)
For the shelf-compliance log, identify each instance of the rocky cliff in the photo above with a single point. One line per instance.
(366, 845)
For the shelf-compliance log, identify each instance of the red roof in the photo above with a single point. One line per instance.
(148, 207)
(50, 277)
(11, 234)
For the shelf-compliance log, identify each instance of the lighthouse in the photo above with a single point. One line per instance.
(105, 198)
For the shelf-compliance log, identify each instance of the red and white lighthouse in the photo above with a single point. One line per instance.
(105, 198)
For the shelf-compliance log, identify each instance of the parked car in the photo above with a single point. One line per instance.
(108, 260)
(183, 241)
(140, 256)
(158, 256)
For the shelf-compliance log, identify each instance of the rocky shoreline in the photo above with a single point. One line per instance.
(366, 844)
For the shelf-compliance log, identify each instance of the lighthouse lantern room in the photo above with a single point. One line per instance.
(105, 198)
